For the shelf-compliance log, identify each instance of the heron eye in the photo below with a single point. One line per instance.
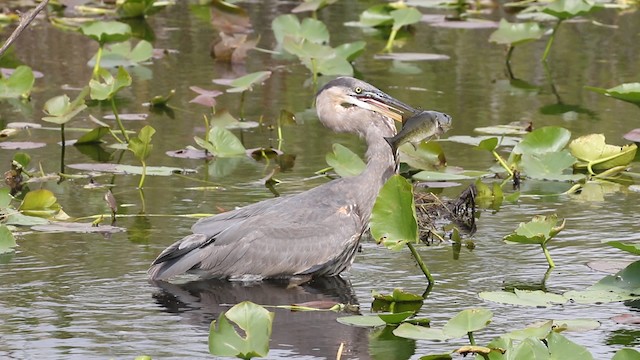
(358, 90)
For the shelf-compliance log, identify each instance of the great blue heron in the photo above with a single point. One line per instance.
(314, 233)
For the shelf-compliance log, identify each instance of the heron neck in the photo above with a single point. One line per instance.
(381, 165)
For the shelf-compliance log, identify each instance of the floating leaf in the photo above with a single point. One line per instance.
(425, 156)
(344, 161)
(311, 5)
(94, 136)
(543, 140)
(562, 348)
(222, 143)
(246, 82)
(141, 145)
(398, 295)
(626, 354)
(7, 241)
(629, 92)
(594, 152)
(393, 219)
(77, 228)
(106, 31)
(254, 320)
(567, 9)
(404, 17)
(122, 54)
(475, 140)
(416, 332)
(362, 321)
(538, 331)
(549, 166)
(140, 8)
(523, 297)
(529, 348)
(396, 318)
(110, 85)
(467, 321)
(516, 33)
(350, 51)
(18, 84)
(377, 15)
(60, 109)
(624, 285)
(130, 169)
(440, 176)
(574, 325)
(537, 231)
(633, 248)
(40, 203)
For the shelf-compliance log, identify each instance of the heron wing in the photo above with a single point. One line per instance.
(278, 237)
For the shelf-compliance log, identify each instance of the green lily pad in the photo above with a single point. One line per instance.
(624, 285)
(248, 81)
(416, 332)
(572, 325)
(592, 149)
(106, 31)
(110, 85)
(395, 318)
(626, 354)
(378, 15)
(567, 9)
(255, 322)
(312, 5)
(122, 54)
(344, 161)
(535, 298)
(629, 92)
(467, 321)
(398, 295)
(18, 84)
(41, 203)
(562, 348)
(130, 169)
(538, 231)
(425, 156)
(362, 321)
(61, 109)
(633, 248)
(141, 145)
(128, 9)
(7, 241)
(529, 348)
(221, 143)
(350, 51)
(77, 228)
(516, 33)
(393, 219)
(439, 176)
(94, 136)
(543, 140)
(404, 17)
(550, 166)
(538, 331)
(475, 140)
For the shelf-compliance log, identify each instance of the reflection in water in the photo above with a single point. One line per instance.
(315, 333)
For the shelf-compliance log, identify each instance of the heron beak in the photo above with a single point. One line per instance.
(387, 105)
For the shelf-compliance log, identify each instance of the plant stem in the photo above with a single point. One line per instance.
(314, 70)
(547, 255)
(550, 41)
(144, 174)
(389, 46)
(96, 67)
(242, 106)
(115, 113)
(508, 60)
(472, 341)
(63, 148)
(422, 265)
(502, 162)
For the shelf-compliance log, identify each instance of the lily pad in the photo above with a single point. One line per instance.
(411, 57)
(77, 228)
(21, 145)
(110, 85)
(543, 140)
(393, 219)
(130, 169)
(514, 128)
(470, 24)
(539, 331)
(254, 321)
(18, 84)
(567, 9)
(123, 54)
(439, 176)
(362, 321)
(248, 81)
(467, 321)
(626, 354)
(535, 298)
(516, 33)
(7, 241)
(562, 348)
(61, 109)
(106, 31)
(592, 151)
(416, 332)
(40, 203)
(94, 136)
(550, 166)
(344, 161)
(395, 318)
(475, 140)
(398, 295)
(572, 325)
(189, 153)
(633, 248)
(538, 231)
(624, 285)
(629, 92)
(221, 143)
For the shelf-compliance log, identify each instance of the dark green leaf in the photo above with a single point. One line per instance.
(18, 84)
(393, 219)
(254, 320)
(344, 161)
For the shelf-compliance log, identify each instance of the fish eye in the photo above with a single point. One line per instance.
(358, 90)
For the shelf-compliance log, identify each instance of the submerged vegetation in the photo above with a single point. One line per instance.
(521, 153)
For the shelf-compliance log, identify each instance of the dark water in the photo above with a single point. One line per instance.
(83, 296)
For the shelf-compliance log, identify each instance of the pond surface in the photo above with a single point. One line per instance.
(86, 296)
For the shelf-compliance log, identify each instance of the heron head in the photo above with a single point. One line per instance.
(351, 105)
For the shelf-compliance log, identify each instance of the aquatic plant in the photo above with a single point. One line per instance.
(141, 147)
(514, 34)
(255, 322)
(538, 231)
(18, 84)
(107, 90)
(105, 32)
(629, 92)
